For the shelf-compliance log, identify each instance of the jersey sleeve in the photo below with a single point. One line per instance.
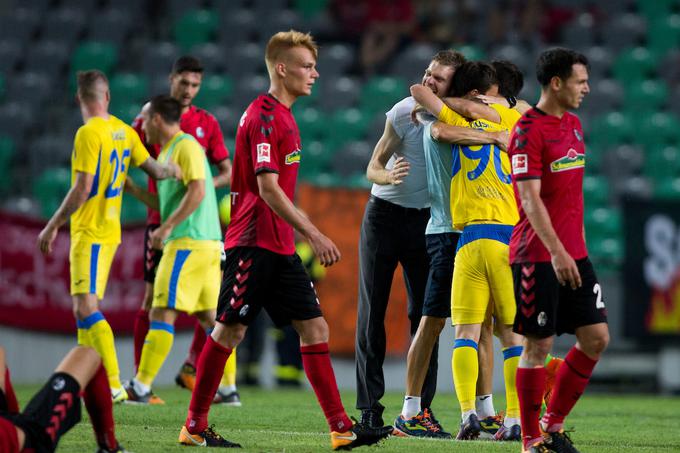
(86, 149)
(189, 156)
(138, 152)
(217, 151)
(399, 116)
(525, 150)
(508, 116)
(449, 116)
(264, 149)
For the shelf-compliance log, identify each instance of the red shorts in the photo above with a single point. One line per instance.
(9, 441)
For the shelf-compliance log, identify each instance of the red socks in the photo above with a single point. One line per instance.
(209, 370)
(141, 329)
(97, 397)
(196, 345)
(10, 396)
(530, 383)
(316, 361)
(571, 380)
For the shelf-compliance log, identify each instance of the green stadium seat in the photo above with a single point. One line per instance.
(94, 55)
(606, 252)
(634, 65)
(595, 191)
(132, 211)
(657, 129)
(664, 32)
(2, 87)
(611, 129)
(603, 222)
(655, 9)
(667, 189)
(195, 27)
(310, 8)
(662, 163)
(7, 150)
(646, 96)
(347, 125)
(472, 53)
(315, 159)
(215, 90)
(50, 188)
(125, 111)
(381, 93)
(594, 155)
(129, 87)
(312, 124)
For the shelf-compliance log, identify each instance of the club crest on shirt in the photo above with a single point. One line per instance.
(294, 157)
(263, 152)
(578, 135)
(571, 161)
(199, 132)
(520, 164)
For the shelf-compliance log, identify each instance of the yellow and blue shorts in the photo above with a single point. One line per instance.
(482, 276)
(90, 266)
(188, 276)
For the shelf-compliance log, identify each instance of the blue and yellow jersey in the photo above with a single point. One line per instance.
(481, 187)
(104, 148)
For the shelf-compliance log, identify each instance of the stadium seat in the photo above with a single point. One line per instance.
(94, 55)
(310, 8)
(49, 56)
(605, 95)
(381, 93)
(472, 52)
(113, 25)
(11, 51)
(351, 159)
(15, 119)
(239, 26)
(246, 59)
(313, 124)
(657, 8)
(634, 65)
(50, 188)
(579, 33)
(606, 252)
(157, 59)
(195, 27)
(662, 162)
(7, 152)
(412, 62)
(603, 222)
(248, 88)
(338, 92)
(658, 129)
(126, 111)
(283, 19)
(347, 125)
(215, 90)
(22, 24)
(31, 87)
(65, 24)
(132, 211)
(315, 159)
(646, 96)
(600, 61)
(129, 87)
(611, 129)
(668, 189)
(664, 33)
(595, 191)
(623, 30)
(228, 118)
(212, 57)
(516, 54)
(335, 60)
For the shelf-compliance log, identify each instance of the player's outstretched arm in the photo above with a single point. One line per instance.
(376, 172)
(459, 135)
(425, 97)
(564, 265)
(146, 197)
(189, 203)
(472, 109)
(276, 199)
(156, 170)
(74, 199)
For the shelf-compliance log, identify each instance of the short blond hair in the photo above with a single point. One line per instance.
(285, 40)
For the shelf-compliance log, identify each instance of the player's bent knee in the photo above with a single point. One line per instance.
(312, 331)
(229, 335)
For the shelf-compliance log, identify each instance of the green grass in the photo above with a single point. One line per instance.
(291, 421)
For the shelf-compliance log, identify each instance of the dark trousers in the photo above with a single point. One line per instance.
(390, 234)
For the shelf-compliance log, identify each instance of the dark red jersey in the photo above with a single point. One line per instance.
(205, 129)
(551, 149)
(267, 140)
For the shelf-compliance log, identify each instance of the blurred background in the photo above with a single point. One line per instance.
(370, 52)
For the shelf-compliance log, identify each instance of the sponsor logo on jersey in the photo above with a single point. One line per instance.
(118, 135)
(58, 384)
(520, 164)
(571, 161)
(199, 132)
(263, 152)
(294, 157)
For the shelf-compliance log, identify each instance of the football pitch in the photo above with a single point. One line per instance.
(291, 421)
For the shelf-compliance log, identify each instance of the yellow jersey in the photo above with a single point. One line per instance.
(104, 148)
(481, 186)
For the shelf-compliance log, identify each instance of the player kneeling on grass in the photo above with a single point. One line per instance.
(55, 409)
(189, 272)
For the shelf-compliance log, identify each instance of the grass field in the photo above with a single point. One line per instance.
(291, 421)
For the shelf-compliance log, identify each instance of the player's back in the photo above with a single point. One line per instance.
(104, 148)
(481, 185)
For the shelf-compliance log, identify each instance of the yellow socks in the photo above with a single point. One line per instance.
(465, 365)
(510, 362)
(97, 332)
(156, 348)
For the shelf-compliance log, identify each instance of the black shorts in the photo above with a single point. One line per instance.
(152, 256)
(53, 411)
(256, 278)
(441, 248)
(546, 308)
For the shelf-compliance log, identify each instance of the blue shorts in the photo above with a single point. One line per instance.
(441, 248)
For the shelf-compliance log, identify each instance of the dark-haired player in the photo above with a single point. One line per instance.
(185, 82)
(55, 409)
(556, 288)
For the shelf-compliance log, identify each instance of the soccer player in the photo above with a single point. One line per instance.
(185, 82)
(556, 288)
(103, 151)
(483, 207)
(189, 272)
(55, 409)
(441, 241)
(263, 270)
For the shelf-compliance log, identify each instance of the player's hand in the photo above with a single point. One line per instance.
(46, 239)
(159, 235)
(493, 100)
(175, 170)
(324, 249)
(502, 140)
(566, 269)
(399, 171)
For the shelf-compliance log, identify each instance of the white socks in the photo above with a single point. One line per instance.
(411, 407)
(484, 406)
